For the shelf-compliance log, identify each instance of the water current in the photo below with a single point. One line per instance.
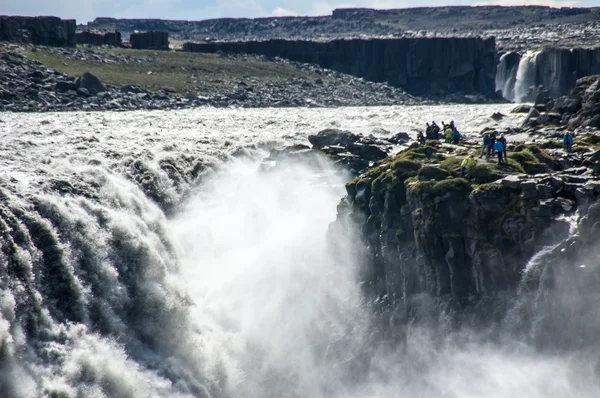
(148, 254)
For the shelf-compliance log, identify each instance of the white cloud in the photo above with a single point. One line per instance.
(282, 12)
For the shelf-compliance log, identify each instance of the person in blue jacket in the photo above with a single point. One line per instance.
(568, 141)
(499, 147)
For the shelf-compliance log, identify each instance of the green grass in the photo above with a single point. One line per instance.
(182, 73)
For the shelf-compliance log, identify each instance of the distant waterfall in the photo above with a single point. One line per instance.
(526, 77)
(506, 74)
(516, 75)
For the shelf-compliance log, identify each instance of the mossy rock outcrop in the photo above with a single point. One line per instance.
(428, 231)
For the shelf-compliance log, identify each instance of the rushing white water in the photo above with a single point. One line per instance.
(506, 76)
(526, 77)
(235, 292)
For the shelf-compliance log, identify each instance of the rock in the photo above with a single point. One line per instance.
(47, 31)
(512, 182)
(399, 138)
(63, 87)
(567, 104)
(422, 66)
(431, 173)
(155, 40)
(91, 83)
(497, 116)
(531, 116)
(99, 38)
(330, 137)
(523, 108)
(130, 88)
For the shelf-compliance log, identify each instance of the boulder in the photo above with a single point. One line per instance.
(331, 137)
(63, 87)
(91, 83)
(523, 108)
(400, 138)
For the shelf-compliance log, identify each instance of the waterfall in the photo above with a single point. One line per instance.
(526, 77)
(130, 271)
(506, 74)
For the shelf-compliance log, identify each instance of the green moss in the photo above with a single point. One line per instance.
(513, 164)
(491, 187)
(451, 164)
(400, 234)
(439, 188)
(484, 173)
(530, 156)
(428, 173)
(359, 180)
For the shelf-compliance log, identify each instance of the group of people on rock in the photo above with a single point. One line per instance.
(492, 145)
(432, 132)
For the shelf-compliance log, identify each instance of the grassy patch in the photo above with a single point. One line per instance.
(451, 164)
(183, 73)
(484, 173)
(530, 156)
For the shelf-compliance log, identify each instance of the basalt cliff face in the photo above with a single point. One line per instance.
(47, 31)
(443, 247)
(437, 66)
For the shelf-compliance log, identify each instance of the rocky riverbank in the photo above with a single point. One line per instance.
(28, 86)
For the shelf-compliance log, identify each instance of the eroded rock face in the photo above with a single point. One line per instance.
(153, 40)
(112, 39)
(47, 31)
(431, 66)
(464, 242)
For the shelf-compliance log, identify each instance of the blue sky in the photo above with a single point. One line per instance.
(86, 10)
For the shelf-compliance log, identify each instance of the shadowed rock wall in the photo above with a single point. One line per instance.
(150, 40)
(437, 66)
(47, 31)
(100, 39)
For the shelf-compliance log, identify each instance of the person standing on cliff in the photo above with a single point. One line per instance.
(455, 136)
(485, 149)
(505, 145)
(499, 147)
(568, 141)
(435, 130)
(491, 149)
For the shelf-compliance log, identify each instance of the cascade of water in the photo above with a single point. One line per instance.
(506, 75)
(526, 77)
(237, 294)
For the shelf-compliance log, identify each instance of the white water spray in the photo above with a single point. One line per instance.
(526, 77)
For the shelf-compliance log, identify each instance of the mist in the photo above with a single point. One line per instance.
(281, 315)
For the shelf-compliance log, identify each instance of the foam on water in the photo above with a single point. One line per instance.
(233, 291)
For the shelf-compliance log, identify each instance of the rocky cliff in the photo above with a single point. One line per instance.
(47, 31)
(438, 243)
(112, 39)
(154, 40)
(420, 66)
